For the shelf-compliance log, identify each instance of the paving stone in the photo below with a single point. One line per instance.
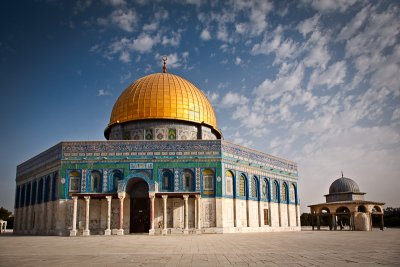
(305, 248)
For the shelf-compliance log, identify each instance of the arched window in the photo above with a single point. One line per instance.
(95, 181)
(242, 186)
(23, 196)
(34, 188)
(265, 189)
(229, 183)
(208, 181)
(47, 189)
(284, 196)
(167, 180)
(40, 191)
(116, 176)
(275, 191)
(292, 193)
(28, 194)
(254, 187)
(17, 194)
(188, 181)
(74, 181)
(54, 189)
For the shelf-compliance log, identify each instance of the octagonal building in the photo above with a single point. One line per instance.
(164, 169)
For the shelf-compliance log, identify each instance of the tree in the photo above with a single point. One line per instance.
(7, 216)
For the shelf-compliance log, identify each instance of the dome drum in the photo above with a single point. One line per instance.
(161, 130)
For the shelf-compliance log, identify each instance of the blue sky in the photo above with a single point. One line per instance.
(314, 81)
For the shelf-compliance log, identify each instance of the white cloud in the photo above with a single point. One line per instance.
(308, 25)
(103, 92)
(115, 3)
(212, 97)
(174, 40)
(82, 5)
(125, 19)
(396, 114)
(355, 24)
(241, 28)
(151, 26)
(238, 60)
(205, 35)
(334, 75)
(276, 43)
(257, 12)
(125, 57)
(330, 5)
(176, 61)
(125, 77)
(286, 81)
(144, 42)
(232, 98)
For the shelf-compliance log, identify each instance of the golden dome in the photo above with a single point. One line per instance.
(163, 96)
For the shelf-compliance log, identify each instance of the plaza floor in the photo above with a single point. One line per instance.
(305, 248)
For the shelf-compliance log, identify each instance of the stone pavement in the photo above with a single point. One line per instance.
(305, 248)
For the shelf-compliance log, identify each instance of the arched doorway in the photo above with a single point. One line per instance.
(138, 190)
(344, 218)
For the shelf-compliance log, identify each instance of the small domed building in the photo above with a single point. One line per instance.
(345, 206)
(164, 169)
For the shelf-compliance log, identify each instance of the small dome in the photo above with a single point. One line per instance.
(344, 185)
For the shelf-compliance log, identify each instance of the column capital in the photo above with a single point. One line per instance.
(198, 196)
(164, 196)
(121, 195)
(152, 195)
(74, 197)
(185, 197)
(87, 198)
(108, 198)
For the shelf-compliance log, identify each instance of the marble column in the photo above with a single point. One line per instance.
(186, 199)
(74, 211)
(198, 202)
(382, 223)
(334, 221)
(121, 197)
(165, 198)
(152, 197)
(108, 230)
(318, 223)
(86, 232)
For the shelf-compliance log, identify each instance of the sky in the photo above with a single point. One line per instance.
(313, 81)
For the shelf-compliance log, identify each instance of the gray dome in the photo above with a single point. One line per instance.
(344, 185)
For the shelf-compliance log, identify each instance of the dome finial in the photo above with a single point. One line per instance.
(342, 174)
(164, 58)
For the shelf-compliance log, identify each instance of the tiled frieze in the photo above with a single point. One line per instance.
(176, 180)
(105, 180)
(197, 179)
(83, 181)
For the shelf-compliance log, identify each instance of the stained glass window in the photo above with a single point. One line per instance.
(284, 192)
(95, 181)
(167, 180)
(275, 191)
(292, 193)
(229, 183)
(117, 175)
(208, 180)
(188, 183)
(242, 186)
(264, 189)
(254, 187)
